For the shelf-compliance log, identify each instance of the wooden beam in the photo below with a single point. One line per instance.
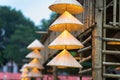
(111, 39)
(111, 27)
(111, 64)
(85, 49)
(85, 59)
(86, 40)
(110, 52)
(86, 70)
(86, 31)
(111, 75)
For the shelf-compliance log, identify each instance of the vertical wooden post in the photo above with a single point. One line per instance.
(119, 12)
(80, 74)
(104, 35)
(114, 12)
(55, 76)
(97, 42)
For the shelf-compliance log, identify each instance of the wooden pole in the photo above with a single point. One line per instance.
(86, 59)
(85, 49)
(111, 39)
(119, 12)
(111, 63)
(111, 75)
(55, 73)
(87, 31)
(114, 12)
(97, 42)
(111, 52)
(104, 48)
(86, 40)
(86, 70)
(111, 27)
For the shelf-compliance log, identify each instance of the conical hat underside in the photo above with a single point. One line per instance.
(34, 73)
(66, 22)
(71, 6)
(36, 44)
(64, 59)
(24, 75)
(65, 41)
(25, 79)
(34, 54)
(35, 63)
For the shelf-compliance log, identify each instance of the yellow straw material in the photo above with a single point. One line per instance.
(64, 59)
(36, 44)
(34, 54)
(35, 73)
(35, 63)
(71, 6)
(65, 41)
(66, 21)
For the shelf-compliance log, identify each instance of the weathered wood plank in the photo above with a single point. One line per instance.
(111, 75)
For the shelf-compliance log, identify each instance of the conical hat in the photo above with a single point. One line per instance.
(71, 6)
(25, 78)
(24, 67)
(34, 54)
(24, 75)
(35, 63)
(36, 44)
(66, 21)
(64, 59)
(65, 41)
(35, 73)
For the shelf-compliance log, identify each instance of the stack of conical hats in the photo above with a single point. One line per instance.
(34, 65)
(65, 23)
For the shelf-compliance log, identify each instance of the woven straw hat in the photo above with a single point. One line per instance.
(64, 59)
(25, 78)
(35, 63)
(36, 44)
(66, 21)
(34, 54)
(24, 67)
(24, 75)
(35, 73)
(71, 6)
(65, 41)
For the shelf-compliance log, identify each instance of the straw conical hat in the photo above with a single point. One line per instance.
(24, 67)
(34, 54)
(65, 41)
(24, 75)
(66, 21)
(24, 70)
(36, 44)
(64, 59)
(35, 73)
(117, 36)
(35, 63)
(71, 6)
(25, 78)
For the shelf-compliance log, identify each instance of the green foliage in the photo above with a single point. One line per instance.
(19, 32)
(22, 37)
(46, 23)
